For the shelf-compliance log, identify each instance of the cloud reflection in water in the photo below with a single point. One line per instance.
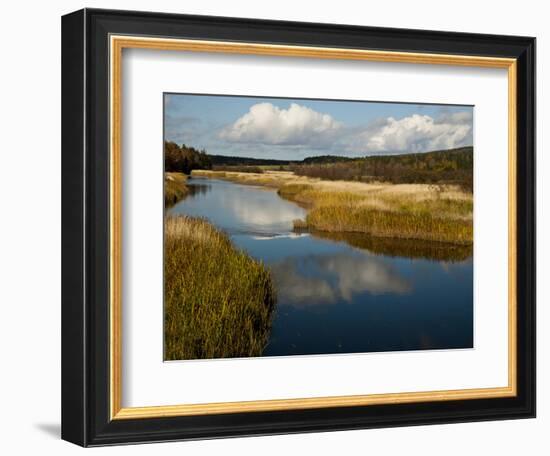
(239, 208)
(328, 279)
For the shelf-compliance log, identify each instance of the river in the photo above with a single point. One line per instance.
(336, 295)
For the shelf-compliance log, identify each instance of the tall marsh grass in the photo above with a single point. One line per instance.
(384, 223)
(218, 300)
(382, 213)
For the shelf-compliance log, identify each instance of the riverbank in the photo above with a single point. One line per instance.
(442, 213)
(218, 300)
(175, 188)
(402, 248)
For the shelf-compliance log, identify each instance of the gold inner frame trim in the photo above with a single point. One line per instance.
(117, 44)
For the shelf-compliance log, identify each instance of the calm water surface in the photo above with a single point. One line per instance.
(333, 297)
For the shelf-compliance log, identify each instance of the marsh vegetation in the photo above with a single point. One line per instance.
(175, 188)
(338, 232)
(218, 300)
(429, 212)
(332, 288)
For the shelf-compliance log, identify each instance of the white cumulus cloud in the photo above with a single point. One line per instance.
(301, 127)
(416, 133)
(298, 125)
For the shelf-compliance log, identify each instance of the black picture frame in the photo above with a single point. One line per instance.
(85, 227)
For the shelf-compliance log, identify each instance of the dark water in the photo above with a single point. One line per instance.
(344, 294)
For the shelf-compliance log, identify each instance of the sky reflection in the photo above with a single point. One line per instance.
(329, 279)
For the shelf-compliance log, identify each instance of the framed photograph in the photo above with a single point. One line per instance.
(279, 227)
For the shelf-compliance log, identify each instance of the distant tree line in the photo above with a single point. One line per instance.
(225, 160)
(454, 166)
(184, 159)
(442, 167)
(322, 159)
(239, 169)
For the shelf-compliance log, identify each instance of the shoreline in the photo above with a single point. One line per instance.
(175, 188)
(426, 212)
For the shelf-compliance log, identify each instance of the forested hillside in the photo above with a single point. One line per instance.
(184, 159)
(453, 166)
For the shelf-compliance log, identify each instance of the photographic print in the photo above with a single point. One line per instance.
(274, 200)
(311, 227)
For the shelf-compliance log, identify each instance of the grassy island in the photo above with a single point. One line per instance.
(428, 212)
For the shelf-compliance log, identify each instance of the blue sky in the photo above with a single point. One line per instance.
(297, 128)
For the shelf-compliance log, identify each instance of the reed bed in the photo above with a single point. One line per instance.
(394, 224)
(429, 212)
(218, 300)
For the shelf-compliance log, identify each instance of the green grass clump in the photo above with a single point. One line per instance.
(218, 300)
(175, 188)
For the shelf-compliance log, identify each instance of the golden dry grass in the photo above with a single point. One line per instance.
(409, 211)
